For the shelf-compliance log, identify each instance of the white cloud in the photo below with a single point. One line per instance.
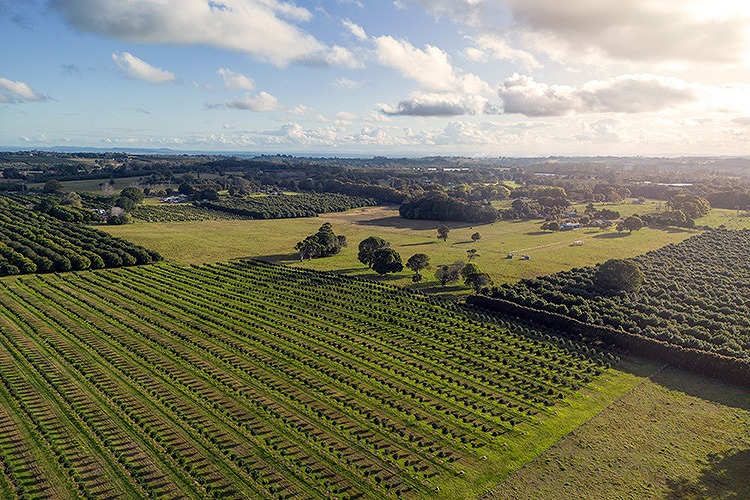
(689, 31)
(300, 110)
(13, 92)
(236, 81)
(623, 94)
(429, 67)
(136, 68)
(355, 29)
(346, 83)
(438, 104)
(263, 28)
(262, 102)
(495, 47)
(341, 56)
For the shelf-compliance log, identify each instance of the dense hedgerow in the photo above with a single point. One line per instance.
(33, 242)
(178, 213)
(694, 295)
(288, 206)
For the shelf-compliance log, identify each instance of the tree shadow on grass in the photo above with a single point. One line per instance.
(419, 244)
(414, 224)
(612, 235)
(705, 388)
(537, 233)
(279, 258)
(722, 476)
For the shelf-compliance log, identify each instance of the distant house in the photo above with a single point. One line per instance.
(569, 226)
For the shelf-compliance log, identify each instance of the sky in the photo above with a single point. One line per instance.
(378, 77)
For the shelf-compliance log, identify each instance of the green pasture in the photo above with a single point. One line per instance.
(675, 435)
(274, 240)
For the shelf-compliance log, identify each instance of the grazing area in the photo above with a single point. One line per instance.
(274, 240)
(676, 435)
(694, 295)
(33, 242)
(250, 379)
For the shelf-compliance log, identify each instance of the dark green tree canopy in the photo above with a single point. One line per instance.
(632, 223)
(442, 233)
(449, 273)
(619, 275)
(386, 260)
(324, 243)
(132, 193)
(367, 248)
(53, 186)
(418, 262)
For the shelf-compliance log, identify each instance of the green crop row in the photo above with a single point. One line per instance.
(253, 380)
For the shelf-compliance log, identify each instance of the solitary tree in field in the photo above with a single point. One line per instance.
(442, 233)
(417, 263)
(476, 237)
(367, 248)
(324, 243)
(472, 254)
(386, 260)
(632, 223)
(474, 277)
(53, 186)
(619, 275)
(450, 273)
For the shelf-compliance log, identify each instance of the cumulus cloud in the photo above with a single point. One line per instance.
(438, 104)
(341, 56)
(623, 94)
(139, 69)
(259, 103)
(495, 47)
(264, 28)
(637, 30)
(430, 67)
(444, 90)
(355, 29)
(236, 81)
(14, 92)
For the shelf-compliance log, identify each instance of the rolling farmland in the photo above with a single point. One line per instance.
(253, 380)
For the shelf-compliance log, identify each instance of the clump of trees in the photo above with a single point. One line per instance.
(619, 275)
(692, 205)
(630, 224)
(378, 255)
(437, 205)
(474, 277)
(324, 243)
(450, 273)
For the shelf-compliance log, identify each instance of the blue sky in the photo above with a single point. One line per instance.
(378, 77)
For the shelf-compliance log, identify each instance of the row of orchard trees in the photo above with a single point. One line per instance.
(32, 242)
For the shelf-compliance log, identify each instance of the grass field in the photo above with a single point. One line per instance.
(256, 381)
(675, 436)
(274, 240)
